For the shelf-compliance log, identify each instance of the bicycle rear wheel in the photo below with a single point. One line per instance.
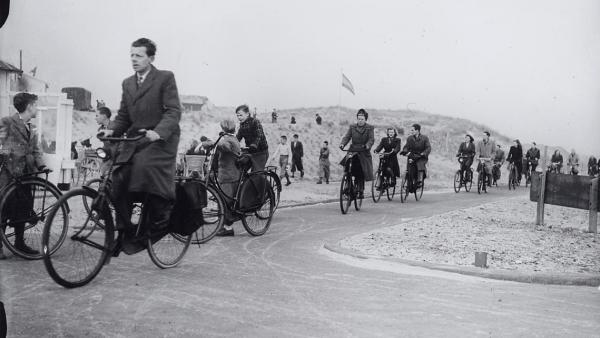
(168, 251)
(27, 204)
(213, 215)
(404, 189)
(376, 185)
(357, 201)
(258, 222)
(78, 259)
(457, 182)
(345, 191)
(275, 183)
(392, 188)
(419, 190)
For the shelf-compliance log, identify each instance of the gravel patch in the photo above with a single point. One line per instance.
(506, 230)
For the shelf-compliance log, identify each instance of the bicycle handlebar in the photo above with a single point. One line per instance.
(484, 158)
(120, 139)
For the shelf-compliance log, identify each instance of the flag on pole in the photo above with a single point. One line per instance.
(347, 84)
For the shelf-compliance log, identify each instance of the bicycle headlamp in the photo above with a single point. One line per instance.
(102, 153)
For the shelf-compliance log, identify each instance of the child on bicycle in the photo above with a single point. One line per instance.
(227, 152)
(20, 155)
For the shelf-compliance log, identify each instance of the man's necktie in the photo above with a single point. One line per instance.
(139, 81)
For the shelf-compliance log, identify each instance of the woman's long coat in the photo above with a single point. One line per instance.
(363, 138)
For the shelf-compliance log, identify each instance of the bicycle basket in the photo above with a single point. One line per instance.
(253, 192)
(186, 217)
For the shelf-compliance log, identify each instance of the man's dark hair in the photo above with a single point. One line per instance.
(326, 142)
(487, 133)
(243, 108)
(149, 44)
(105, 111)
(203, 138)
(363, 113)
(22, 100)
(417, 126)
(284, 137)
(296, 135)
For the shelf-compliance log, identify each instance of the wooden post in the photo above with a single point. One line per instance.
(545, 159)
(593, 226)
(539, 219)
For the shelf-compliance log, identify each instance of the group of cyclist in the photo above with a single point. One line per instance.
(361, 138)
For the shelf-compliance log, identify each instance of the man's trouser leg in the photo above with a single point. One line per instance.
(123, 200)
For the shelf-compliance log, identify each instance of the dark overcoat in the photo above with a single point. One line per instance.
(19, 148)
(153, 106)
(391, 145)
(362, 139)
(419, 145)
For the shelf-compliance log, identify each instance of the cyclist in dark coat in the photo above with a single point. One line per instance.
(466, 149)
(252, 132)
(417, 143)
(362, 136)
(391, 144)
(515, 155)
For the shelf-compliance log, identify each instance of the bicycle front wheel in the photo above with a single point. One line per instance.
(457, 181)
(345, 198)
(511, 179)
(404, 189)
(24, 207)
(89, 238)
(469, 182)
(479, 182)
(391, 191)
(168, 251)
(357, 201)
(419, 190)
(376, 189)
(258, 222)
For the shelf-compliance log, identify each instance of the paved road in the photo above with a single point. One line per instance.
(282, 284)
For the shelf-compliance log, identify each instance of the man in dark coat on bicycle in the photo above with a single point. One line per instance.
(362, 136)
(19, 154)
(391, 147)
(418, 144)
(149, 105)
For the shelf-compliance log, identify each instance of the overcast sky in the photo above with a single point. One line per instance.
(530, 69)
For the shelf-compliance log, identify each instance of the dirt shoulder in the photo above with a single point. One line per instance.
(505, 230)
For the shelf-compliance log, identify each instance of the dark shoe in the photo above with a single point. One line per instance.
(360, 195)
(2, 255)
(26, 249)
(288, 183)
(319, 182)
(225, 233)
(292, 175)
(327, 182)
(301, 174)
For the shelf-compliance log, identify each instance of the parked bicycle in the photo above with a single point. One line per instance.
(25, 202)
(482, 175)
(90, 240)
(254, 201)
(349, 187)
(384, 180)
(410, 182)
(463, 178)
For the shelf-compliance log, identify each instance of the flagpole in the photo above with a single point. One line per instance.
(340, 90)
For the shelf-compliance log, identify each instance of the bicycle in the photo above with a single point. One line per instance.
(384, 180)
(482, 176)
(253, 202)
(554, 167)
(90, 167)
(512, 176)
(26, 201)
(349, 189)
(463, 178)
(410, 183)
(91, 242)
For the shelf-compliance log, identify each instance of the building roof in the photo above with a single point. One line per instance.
(7, 67)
